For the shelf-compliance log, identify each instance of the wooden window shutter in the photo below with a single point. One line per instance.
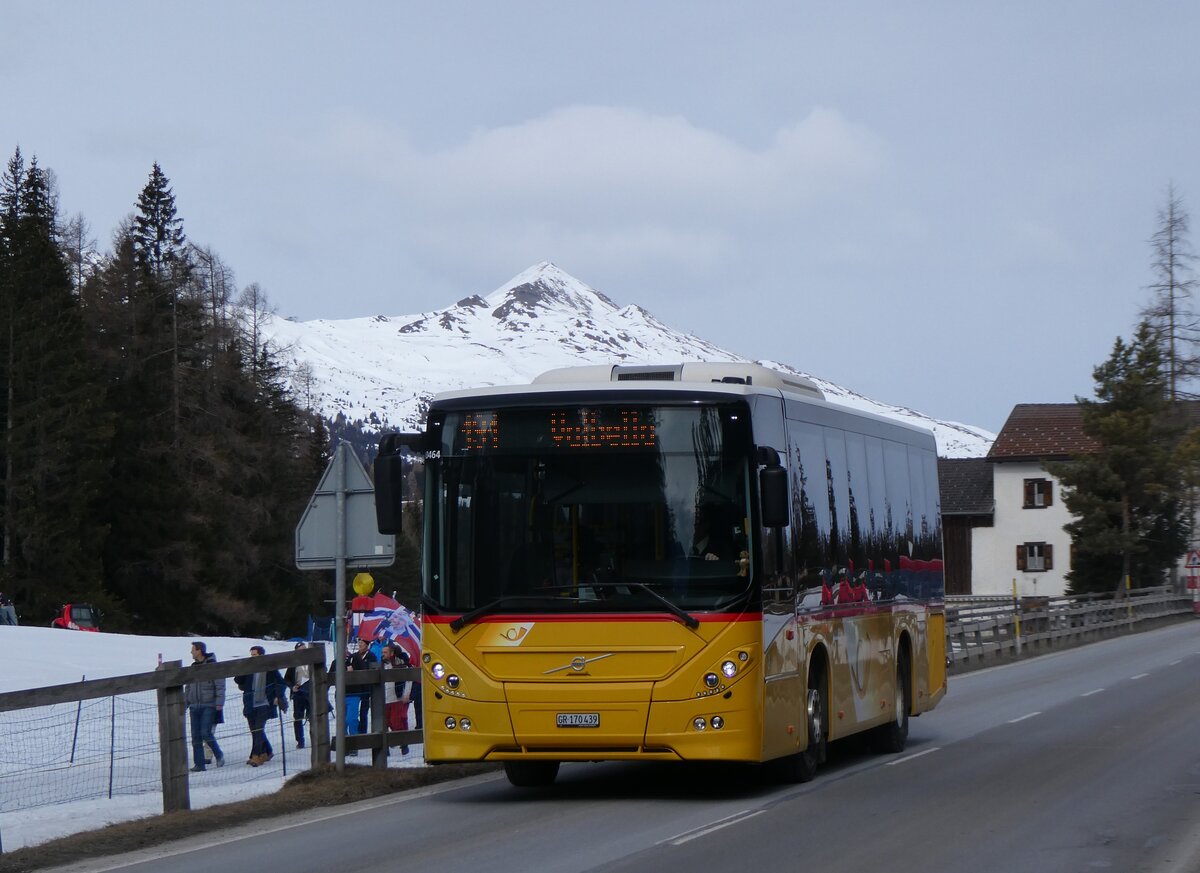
(1021, 557)
(1048, 556)
(1029, 492)
(1048, 497)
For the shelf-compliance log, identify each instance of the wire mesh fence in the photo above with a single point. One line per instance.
(107, 747)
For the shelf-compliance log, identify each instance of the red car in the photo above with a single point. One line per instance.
(77, 616)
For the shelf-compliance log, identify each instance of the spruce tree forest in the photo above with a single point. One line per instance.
(154, 462)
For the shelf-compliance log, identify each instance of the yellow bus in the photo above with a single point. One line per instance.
(688, 562)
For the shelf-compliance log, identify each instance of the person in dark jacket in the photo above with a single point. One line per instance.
(358, 703)
(263, 695)
(8, 612)
(299, 682)
(204, 700)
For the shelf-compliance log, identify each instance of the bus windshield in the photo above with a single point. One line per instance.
(592, 508)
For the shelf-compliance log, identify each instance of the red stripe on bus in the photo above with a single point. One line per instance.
(509, 617)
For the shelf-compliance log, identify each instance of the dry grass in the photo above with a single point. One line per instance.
(305, 791)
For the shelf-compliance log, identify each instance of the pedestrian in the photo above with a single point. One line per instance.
(205, 699)
(8, 612)
(299, 680)
(263, 695)
(397, 696)
(358, 703)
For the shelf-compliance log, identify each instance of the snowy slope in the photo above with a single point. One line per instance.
(386, 369)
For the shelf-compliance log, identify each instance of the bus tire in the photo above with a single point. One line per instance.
(531, 774)
(893, 736)
(802, 766)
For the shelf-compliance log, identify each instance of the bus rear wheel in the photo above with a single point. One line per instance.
(531, 774)
(893, 736)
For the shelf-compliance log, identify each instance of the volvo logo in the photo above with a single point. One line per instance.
(579, 664)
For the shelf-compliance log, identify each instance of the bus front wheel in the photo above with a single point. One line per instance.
(531, 774)
(802, 766)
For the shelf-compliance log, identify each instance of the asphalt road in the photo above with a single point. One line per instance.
(1083, 760)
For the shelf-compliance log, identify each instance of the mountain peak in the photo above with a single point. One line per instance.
(387, 370)
(545, 289)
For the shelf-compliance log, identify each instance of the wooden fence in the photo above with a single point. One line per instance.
(986, 630)
(170, 677)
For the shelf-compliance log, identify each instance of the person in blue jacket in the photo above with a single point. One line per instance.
(263, 695)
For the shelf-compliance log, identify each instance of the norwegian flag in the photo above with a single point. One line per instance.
(403, 628)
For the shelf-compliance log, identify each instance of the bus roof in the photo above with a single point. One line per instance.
(733, 378)
(704, 372)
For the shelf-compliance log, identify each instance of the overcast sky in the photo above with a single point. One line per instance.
(947, 209)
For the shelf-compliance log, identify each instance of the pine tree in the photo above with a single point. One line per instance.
(1127, 496)
(150, 561)
(56, 426)
(10, 214)
(160, 245)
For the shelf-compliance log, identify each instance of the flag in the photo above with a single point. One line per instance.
(402, 627)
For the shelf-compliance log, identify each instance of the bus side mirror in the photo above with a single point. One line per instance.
(773, 496)
(389, 481)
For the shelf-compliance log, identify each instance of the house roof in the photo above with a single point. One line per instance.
(1035, 431)
(965, 485)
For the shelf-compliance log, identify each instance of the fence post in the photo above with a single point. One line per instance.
(318, 712)
(1017, 616)
(172, 745)
(112, 741)
(78, 711)
(379, 753)
(1128, 602)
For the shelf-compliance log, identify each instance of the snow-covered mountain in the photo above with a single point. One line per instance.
(385, 370)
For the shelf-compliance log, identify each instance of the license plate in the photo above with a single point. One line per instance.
(577, 719)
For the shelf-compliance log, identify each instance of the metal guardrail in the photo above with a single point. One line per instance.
(988, 629)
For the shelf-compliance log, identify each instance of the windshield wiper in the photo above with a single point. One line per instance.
(478, 612)
(678, 611)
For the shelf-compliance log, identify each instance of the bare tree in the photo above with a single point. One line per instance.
(79, 250)
(305, 381)
(1172, 309)
(214, 280)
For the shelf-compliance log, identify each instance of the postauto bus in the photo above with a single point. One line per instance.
(689, 562)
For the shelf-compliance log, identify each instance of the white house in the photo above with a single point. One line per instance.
(1025, 543)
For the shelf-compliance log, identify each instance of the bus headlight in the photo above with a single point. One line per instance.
(717, 722)
(452, 681)
(451, 724)
(438, 670)
(699, 723)
(464, 724)
(729, 669)
(711, 680)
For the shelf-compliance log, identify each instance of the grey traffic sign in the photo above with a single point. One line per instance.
(320, 529)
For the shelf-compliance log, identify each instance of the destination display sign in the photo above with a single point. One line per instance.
(566, 429)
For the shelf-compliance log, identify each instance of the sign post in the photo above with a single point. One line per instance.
(338, 529)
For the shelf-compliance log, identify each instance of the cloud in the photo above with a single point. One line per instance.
(604, 181)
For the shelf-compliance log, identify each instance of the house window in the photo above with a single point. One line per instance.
(1035, 557)
(1038, 493)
